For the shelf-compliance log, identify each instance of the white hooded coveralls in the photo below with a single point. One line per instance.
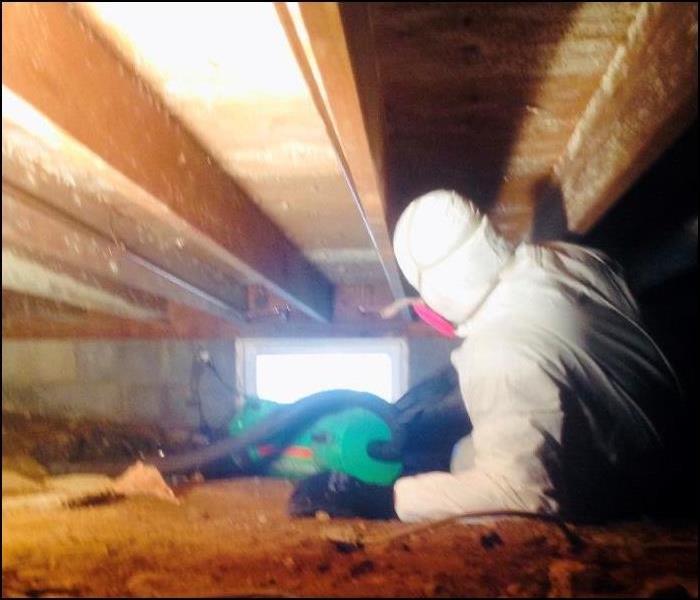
(570, 400)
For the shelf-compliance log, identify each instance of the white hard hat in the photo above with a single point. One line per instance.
(448, 250)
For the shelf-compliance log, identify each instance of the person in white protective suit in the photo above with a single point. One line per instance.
(572, 403)
(573, 406)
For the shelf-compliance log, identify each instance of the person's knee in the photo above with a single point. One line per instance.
(462, 455)
(402, 491)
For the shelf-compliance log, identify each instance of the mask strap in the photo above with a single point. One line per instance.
(432, 318)
(393, 309)
(437, 322)
(424, 312)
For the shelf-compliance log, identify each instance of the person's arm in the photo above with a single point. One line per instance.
(515, 409)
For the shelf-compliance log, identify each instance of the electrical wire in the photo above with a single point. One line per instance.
(575, 541)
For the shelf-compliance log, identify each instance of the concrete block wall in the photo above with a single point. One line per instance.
(134, 380)
(142, 380)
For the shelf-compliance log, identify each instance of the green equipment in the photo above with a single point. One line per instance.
(338, 442)
(355, 433)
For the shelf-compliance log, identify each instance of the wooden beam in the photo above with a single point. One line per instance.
(95, 325)
(58, 64)
(342, 79)
(46, 162)
(23, 273)
(40, 231)
(356, 314)
(28, 317)
(370, 328)
(647, 97)
(20, 305)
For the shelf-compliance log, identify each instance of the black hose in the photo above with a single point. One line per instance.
(426, 394)
(286, 422)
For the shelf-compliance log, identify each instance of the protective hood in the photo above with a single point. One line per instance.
(450, 253)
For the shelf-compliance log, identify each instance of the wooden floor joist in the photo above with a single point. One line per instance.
(57, 64)
(47, 163)
(30, 317)
(24, 273)
(645, 100)
(348, 101)
(44, 233)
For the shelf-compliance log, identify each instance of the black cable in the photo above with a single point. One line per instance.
(287, 423)
(202, 360)
(209, 363)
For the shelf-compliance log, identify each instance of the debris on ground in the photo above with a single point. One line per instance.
(233, 538)
(71, 491)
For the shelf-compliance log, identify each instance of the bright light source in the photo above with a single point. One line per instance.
(288, 377)
(218, 50)
(18, 112)
(285, 370)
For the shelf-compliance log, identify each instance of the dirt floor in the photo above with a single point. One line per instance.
(233, 539)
